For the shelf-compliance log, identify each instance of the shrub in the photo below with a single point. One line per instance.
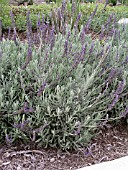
(59, 94)
(20, 15)
(99, 19)
(101, 16)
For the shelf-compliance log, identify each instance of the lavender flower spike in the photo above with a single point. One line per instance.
(90, 19)
(125, 113)
(0, 30)
(114, 102)
(92, 47)
(120, 87)
(77, 21)
(41, 89)
(8, 139)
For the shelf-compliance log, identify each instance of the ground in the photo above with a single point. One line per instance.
(110, 144)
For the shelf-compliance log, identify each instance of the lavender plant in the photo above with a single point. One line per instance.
(58, 94)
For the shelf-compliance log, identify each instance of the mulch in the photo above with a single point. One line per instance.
(111, 143)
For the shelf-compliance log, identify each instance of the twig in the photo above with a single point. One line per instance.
(24, 152)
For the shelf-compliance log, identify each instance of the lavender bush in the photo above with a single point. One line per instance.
(58, 93)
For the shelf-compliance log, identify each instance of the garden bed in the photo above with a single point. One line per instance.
(110, 144)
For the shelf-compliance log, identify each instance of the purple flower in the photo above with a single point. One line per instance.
(29, 29)
(14, 27)
(77, 22)
(8, 139)
(0, 30)
(125, 61)
(0, 54)
(59, 15)
(83, 52)
(116, 94)
(38, 22)
(119, 34)
(90, 19)
(108, 48)
(41, 128)
(115, 100)
(12, 19)
(125, 113)
(21, 125)
(112, 74)
(41, 89)
(104, 90)
(89, 150)
(120, 87)
(70, 48)
(117, 56)
(43, 20)
(52, 38)
(73, 8)
(115, 20)
(82, 36)
(114, 34)
(92, 47)
(15, 35)
(28, 58)
(63, 7)
(109, 20)
(27, 109)
(66, 44)
(100, 54)
(102, 32)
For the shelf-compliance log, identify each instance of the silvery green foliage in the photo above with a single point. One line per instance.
(64, 93)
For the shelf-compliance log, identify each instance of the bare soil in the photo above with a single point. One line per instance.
(111, 143)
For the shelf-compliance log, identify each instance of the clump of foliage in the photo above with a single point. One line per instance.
(114, 2)
(58, 94)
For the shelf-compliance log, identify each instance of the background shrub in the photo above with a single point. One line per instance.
(99, 18)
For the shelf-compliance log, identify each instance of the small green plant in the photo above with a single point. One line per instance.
(2, 3)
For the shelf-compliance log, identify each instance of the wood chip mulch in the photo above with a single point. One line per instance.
(110, 144)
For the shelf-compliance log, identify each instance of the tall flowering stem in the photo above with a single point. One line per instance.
(30, 42)
(117, 94)
(52, 38)
(14, 27)
(0, 30)
(42, 88)
(124, 114)
(90, 19)
(66, 44)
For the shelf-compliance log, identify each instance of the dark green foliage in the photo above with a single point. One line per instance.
(20, 2)
(86, 9)
(113, 2)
